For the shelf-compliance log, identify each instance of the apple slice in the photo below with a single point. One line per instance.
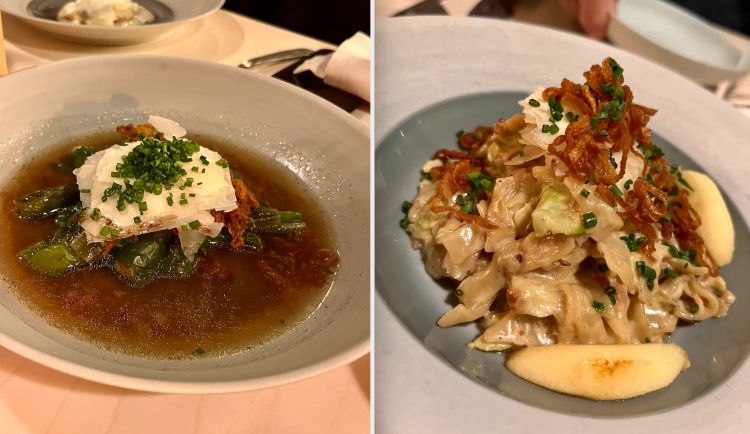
(600, 372)
(716, 227)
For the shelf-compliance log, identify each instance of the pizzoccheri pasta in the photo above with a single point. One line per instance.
(566, 224)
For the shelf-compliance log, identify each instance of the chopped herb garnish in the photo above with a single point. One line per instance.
(200, 351)
(628, 184)
(682, 181)
(617, 70)
(424, 176)
(571, 117)
(194, 168)
(459, 133)
(170, 200)
(104, 231)
(633, 243)
(204, 160)
(191, 194)
(480, 181)
(468, 202)
(612, 294)
(96, 214)
(647, 272)
(694, 309)
(585, 193)
(681, 254)
(599, 306)
(670, 273)
(195, 224)
(142, 206)
(85, 190)
(589, 220)
(404, 223)
(183, 201)
(136, 220)
(603, 133)
(222, 163)
(666, 217)
(534, 103)
(615, 190)
(478, 135)
(613, 162)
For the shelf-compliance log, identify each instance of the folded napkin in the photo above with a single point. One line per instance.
(347, 68)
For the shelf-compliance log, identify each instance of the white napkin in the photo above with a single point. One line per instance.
(347, 68)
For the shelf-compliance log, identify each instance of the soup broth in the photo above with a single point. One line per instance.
(232, 302)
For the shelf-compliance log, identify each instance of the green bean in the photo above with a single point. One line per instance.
(253, 240)
(45, 203)
(221, 240)
(85, 252)
(138, 262)
(77, 157)
(52, 256)
(176, 264)
(271, 221)
(67, 218)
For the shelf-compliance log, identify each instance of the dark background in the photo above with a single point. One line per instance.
(329, 20)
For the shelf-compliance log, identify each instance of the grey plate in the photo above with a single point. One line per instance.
(716, 347)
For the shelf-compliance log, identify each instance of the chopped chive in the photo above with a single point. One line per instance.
(571, 117)
(194, 168)
(585, 193)
(170, 201)
(136, 220)
(195, 224)
(534, 103)
(598, 306)
(142, 206)
(628, 184)
(589, 220)
(104, 231)
(183, 202)
(222, 163)
(612, 294)
(184, 228)
(191, 194)
(405, 206)
(694, 309)
(671, 274)
(615, 190)
(96, 214)
(478, 135)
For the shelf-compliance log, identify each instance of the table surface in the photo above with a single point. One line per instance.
(36, 399)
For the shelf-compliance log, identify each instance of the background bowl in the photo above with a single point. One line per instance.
(183, 12)
(677, 39)
(323, 145)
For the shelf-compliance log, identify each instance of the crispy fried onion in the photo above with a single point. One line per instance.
(586, 149)
(452, 180)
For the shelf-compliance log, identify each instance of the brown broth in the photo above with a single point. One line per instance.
(226, 306)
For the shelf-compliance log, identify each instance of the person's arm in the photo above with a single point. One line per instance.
(592, 15)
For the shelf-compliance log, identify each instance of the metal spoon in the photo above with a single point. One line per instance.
(299, 53)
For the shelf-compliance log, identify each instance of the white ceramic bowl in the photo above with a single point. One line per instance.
(184, 12)
(677, 39)
(428, 384)
(323, 145)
